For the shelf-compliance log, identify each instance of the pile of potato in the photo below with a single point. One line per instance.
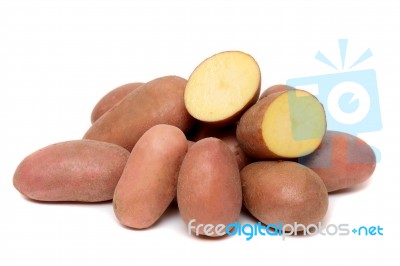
(211, 143)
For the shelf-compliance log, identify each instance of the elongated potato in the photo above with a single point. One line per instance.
(281, 191)
(209, 190)
(113, 98)
(159, 101)
(226, 134)
(275, 89)
(222, 87)
(286, 124)
(148, 183)
(342, 160)
(79, 170)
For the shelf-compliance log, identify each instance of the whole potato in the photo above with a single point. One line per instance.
(148, 183)
(282, 191)
(79, 170)
(209, 189)
(113, 98)
(159, 101)
(342, 160)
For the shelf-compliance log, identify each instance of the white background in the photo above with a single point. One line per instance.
(58, 58)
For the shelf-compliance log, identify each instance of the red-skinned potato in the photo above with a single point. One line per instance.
(282, 191)
(148, 183)
(79, 170)
(209, 189)
(342, 160)
(113, 98)
(226, 134)
(159, 101)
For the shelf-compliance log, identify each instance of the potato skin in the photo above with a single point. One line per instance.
(159, 101)
(342, 160)
(112, 98)
(209, 187)
(248, 131)
(226, 134)
(275, 89)
(79, 170)
(282, 191)
(190, 143)
(148, 183)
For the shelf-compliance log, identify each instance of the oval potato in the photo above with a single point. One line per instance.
(209, 189)
(342, 160)
(113, 98)
(79, 170)
(148, 183)
(282, 191)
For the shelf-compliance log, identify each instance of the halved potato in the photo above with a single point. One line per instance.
(222, 87)
(288, 124)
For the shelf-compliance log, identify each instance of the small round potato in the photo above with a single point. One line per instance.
(282, 191)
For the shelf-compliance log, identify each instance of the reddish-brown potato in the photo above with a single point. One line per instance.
(226, 134)
(281, 191)
(275, 89)
(159, 101)
(209, 190)
(342, 160)
(80, 170)
(148, 183)
(113, 98)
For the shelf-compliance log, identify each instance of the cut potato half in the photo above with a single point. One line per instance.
(288, 124)
(222, 87)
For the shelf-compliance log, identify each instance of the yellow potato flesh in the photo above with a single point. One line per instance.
(294, 124)
(222, 86)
